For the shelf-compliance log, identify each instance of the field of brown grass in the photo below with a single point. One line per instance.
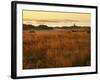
(56, 49)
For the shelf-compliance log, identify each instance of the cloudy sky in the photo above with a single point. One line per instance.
(53, 19)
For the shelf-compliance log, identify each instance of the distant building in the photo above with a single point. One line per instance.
(74, 25)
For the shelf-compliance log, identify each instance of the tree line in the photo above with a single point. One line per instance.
(45, 27)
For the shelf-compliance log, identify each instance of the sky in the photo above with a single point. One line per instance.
(56, 19)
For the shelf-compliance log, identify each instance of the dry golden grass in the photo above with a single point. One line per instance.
(55, 49)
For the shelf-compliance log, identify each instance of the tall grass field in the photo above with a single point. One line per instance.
(56, 49)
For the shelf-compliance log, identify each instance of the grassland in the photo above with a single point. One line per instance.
(51, 49)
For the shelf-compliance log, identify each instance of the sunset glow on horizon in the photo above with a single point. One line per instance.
(56, 18)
